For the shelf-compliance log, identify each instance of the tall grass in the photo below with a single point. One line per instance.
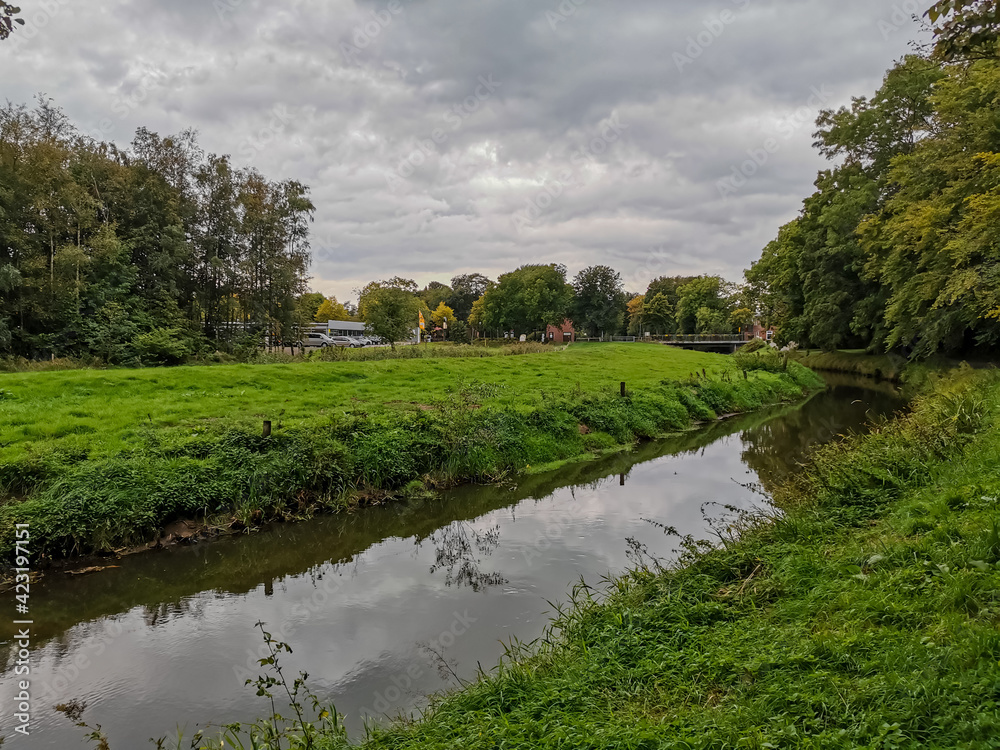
(20, 364)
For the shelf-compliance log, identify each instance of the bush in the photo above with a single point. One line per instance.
(753, 345)
(162, 346)
(767, 359)
(247, 346)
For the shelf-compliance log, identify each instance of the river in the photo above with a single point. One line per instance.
(388, 605)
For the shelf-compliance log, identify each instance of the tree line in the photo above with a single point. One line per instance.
(527, 300)
(159, 252)
(143, 255)
(898, 248)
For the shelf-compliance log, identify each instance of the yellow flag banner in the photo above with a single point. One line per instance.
(423, 326)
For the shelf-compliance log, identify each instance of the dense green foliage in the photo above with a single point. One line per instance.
(897, 249)
(598, 301)
(142, 256)
(688, 304)
(525, 300)
(391, 314)
(465, 290)
(92, 472)
(965, 29)
(864, 615)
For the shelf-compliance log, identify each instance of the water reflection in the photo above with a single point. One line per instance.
(457, 549)
(776, 447)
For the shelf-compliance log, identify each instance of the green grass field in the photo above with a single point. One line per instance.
(101, 411)
(96, 460)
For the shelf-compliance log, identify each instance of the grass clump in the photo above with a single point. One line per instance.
(864, 614)
(98, 460)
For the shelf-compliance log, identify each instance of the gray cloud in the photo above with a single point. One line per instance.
(420, 169)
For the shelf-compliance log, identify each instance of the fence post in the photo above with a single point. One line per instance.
(267, 428)
(623, 389)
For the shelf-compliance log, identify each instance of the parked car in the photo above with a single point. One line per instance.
(348, 341)
(317, 339)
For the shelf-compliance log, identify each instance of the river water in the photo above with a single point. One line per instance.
(388, 605)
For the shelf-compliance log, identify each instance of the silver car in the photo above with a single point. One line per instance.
(348, 341)
(317, 339)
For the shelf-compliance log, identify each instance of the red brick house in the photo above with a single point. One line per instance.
(759, 332)
(561, 334)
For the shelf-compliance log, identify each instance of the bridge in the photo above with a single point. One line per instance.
(705, 342)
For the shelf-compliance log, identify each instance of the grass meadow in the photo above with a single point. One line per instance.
(97, 460)
(104, 411)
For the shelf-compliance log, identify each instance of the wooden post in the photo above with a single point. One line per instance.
(623, 389)
(267, 428)
(621, 480)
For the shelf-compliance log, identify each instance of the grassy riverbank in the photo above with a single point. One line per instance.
(879, 366)
(96, 460)
(866, 616)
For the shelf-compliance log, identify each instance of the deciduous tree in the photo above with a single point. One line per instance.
(391, 313)
(330, 309)
(598, 301)
(466, 289)
(528, 299)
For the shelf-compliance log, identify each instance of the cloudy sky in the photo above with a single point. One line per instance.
(445, 136)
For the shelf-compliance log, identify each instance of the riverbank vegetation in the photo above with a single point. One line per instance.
(856, 362)
(96, 460)
(862, 614)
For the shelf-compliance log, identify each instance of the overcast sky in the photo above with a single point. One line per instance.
(445, 136)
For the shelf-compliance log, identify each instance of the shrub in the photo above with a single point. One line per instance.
(162, 346)
(767, 359)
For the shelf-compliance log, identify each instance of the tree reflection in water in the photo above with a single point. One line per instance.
(779, 447)
(458, 547)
